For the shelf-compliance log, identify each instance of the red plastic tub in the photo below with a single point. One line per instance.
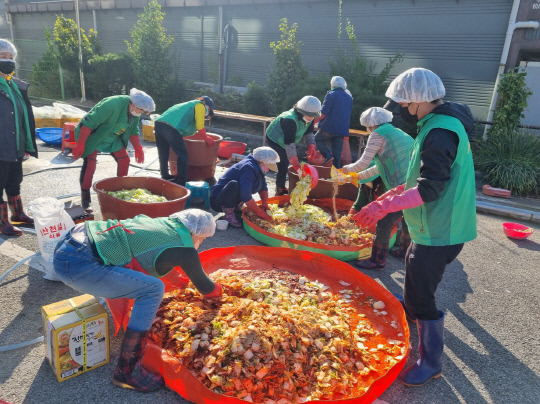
(114, 208)
(516, 230)
(202, 159)
(228, 147)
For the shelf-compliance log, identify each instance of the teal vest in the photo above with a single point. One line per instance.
(181, 117)
(275, 133)
(393, 162)
(142, 238)
(451, 219)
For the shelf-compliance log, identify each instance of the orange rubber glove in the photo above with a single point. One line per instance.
(202, 134)
(78, 150)
(264, 200)
(217, 292)
(252, 205)
(139, 152)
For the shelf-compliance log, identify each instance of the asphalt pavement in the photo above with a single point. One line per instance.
(490, 294)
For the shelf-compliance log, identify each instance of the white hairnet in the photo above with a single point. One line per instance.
(141, 100)
(309, 105)
(416, 85)
(266, 155)
(198, 222)
(6, 46)
(375, 116)
(338, 81)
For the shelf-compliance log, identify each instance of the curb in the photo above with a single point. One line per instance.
(508, 211)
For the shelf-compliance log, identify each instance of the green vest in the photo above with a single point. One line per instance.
(275, 133)
(393, 162)
(110, 124)
(142, 238)
(14, 94)
(181, 117)
(451, 218)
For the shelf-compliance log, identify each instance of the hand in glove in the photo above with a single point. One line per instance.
(311, 149)
(346, 169)
(394, 191)
(78, 150)
(295, 163)
(217, 292)
(252, 205)
(203, 135)
(319, 118)
(139, 152)
(264, 200)
(375, 211)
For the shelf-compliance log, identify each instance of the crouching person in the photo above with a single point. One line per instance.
(126, 258)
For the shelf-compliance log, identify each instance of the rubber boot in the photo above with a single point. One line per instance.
(431, 345)
(230, 217)
(129, 372)
(86, 199)
(17, 211)
(409, 317)
(5, 226)
(281, 191)
(377, 261)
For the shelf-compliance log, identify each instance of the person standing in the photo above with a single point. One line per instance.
(334, 121)
(179, 121)
(390, 148)
(438, 200)
(108, 127)
(287, 130)
(126, 259)
(245, 178)
(17, 137)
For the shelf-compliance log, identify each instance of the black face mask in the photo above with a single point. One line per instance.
(407, 116)
(7, 67)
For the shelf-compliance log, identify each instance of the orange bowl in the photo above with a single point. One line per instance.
(516, 230)
(228, 147)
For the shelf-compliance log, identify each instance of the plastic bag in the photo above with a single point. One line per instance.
(69, 111)
(51, 222)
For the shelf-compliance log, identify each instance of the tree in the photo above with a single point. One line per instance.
(150, 51)
(288, 69)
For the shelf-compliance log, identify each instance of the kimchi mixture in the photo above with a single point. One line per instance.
(278, 337)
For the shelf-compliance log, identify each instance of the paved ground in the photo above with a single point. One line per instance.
(490, 294)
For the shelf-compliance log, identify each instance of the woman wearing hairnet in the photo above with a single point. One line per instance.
(17, 137)
(390, 148)
(237, 185)
(287, 130)
(179, 121)
(107, 127)
(118, 259)
(438, 202)
(334, 121)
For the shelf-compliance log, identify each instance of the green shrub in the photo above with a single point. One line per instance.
(45, 78)
(110, 74)
(256, 100)
(228, 101)
(317, 86)
(510, 160)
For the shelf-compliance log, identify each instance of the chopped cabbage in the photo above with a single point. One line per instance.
(138, 195)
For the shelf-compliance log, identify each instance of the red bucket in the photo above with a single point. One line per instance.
(228, 147)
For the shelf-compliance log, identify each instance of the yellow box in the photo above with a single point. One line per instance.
(48, 123)
(64, 120)
(63, 324)
(148, 133)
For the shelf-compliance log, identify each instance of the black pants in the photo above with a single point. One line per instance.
(424, 269)
(168, 137)
(336, 143)
(283, 165)
(384, 226)
(228, 197)
(11, 176)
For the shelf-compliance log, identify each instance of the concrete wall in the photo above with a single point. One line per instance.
(460, 40)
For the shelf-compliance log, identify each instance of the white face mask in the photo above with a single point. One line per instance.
(136, 113)
(264, 169)
(308, 118)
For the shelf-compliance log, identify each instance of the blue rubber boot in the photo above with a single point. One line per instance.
(431, 346)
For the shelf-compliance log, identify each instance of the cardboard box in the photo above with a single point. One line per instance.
(63, 324)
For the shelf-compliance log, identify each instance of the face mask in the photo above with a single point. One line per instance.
(7, 66)
(264, 169)
(308, 118)
(133, 112)
(407, 116)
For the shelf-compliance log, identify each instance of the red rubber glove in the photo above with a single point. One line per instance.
(319, 118)
(295, 163)
(311, 149)
(139, 152)
(394, 191)
(217, 292)
(252, 205)
(375, 211)
(78, 150)
(352, 212)
(264, 200)
(203, 135)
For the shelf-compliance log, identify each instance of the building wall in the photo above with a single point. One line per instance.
(461, 40)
